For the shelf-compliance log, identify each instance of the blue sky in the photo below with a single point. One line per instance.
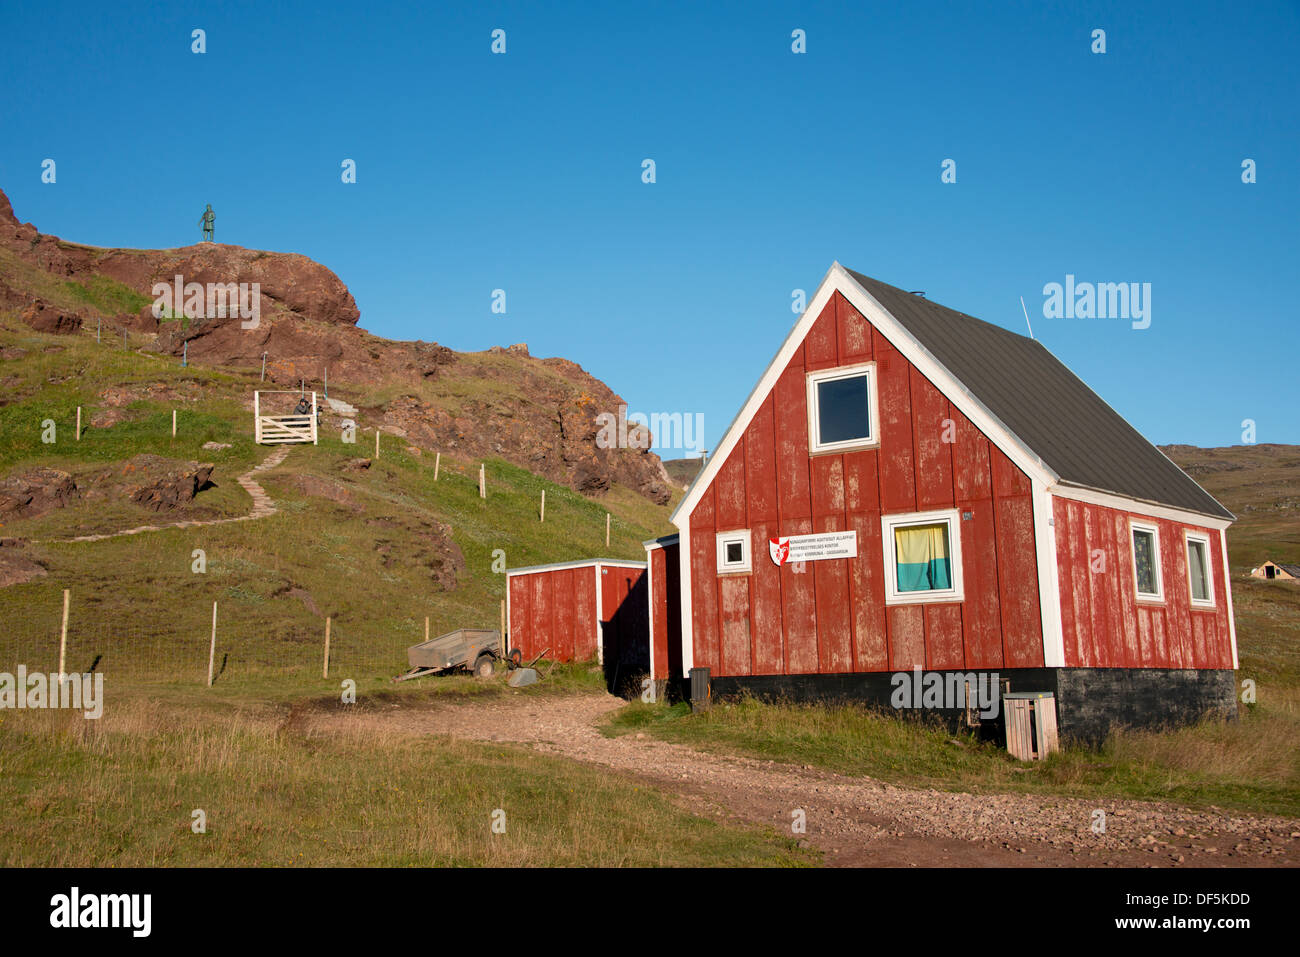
(522, 172)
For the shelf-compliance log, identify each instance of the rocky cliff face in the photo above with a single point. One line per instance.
(537, 413)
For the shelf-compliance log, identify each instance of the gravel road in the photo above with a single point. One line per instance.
(859, 821)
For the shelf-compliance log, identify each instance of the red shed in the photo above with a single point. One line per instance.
(595, 608)
(909, 488)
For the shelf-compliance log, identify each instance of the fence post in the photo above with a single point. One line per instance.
(78, 423)
(326, 672)
(212, 648)
(257, 416)
(376, 443)
(607, 529)
(63, 636)
(543, 505)
(482, 482)
(426, 627)
(173, 423)
(437, 461)
(314, 436)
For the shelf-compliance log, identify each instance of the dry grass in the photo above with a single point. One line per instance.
(121, 791)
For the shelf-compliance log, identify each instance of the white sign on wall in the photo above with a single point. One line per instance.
(812, 548)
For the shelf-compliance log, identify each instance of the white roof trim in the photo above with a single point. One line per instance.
(798, 332)
(1141, 507)
(581, 563)
(837, 279)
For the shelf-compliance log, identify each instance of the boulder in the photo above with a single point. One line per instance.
(163, 484)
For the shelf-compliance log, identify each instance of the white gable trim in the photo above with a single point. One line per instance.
(838, 280)
(600, 616)
(684, 591)
(650, 600)
(798, 332)
(1049, 585)
(1227, 596)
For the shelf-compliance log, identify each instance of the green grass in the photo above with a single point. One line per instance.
(106, 295)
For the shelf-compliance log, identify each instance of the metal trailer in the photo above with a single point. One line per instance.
(473, 649)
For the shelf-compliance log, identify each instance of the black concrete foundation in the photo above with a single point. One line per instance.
(1090, 702)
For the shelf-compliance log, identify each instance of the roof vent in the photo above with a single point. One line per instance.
(918, 292)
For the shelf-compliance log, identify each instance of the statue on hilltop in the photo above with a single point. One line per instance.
(208, 221)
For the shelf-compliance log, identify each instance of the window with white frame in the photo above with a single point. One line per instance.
(1146, 561)
(1200, 584)
(842, 410)
(922, 557)
(733, 551)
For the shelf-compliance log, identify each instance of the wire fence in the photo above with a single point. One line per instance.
(156, 644)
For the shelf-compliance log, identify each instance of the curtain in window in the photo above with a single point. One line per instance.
(1200, 576)
(922, 559)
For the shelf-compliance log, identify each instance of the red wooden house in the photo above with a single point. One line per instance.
(908, 487)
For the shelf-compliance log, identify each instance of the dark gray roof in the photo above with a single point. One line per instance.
(1048, 407)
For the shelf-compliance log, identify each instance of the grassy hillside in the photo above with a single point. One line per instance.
(362, 546)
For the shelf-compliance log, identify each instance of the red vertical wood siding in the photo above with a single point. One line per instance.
(555, 609)
(1104, 625)
(587, 631)
(830, 616)
(665, 598)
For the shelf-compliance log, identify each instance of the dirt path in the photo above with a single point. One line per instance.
(262, 505)
(858, 821)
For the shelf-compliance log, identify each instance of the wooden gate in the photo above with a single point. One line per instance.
(283, 429)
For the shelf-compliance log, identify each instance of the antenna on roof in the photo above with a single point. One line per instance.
(918, 292)
(1026, 312)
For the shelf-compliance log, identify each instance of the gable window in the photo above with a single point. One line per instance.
(1146, 561)
(922, 557)
(842, 408)
(1199, 583)
(733, 551)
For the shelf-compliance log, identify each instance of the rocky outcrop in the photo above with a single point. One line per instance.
(33, 492)
(161, 484)
(539, 414)
(43, 318)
